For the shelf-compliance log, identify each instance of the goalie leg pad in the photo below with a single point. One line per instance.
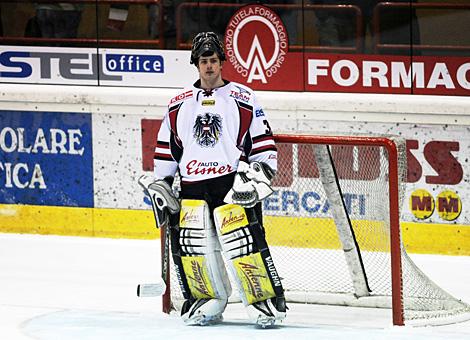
(200, 266)
(244, 245)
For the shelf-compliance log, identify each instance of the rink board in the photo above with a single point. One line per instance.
(70, 159)
(138, 224)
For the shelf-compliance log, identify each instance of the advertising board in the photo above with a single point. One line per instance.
(438, 173)
(258, 55)
(46, 158)
(91, 66)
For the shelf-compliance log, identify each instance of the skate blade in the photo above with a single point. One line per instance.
(202, 320)
(266, 322)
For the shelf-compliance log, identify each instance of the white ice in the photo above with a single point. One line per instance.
(73, 288)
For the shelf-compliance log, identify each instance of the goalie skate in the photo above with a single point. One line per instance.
(266, 313)
(203, 320)
(203, 312)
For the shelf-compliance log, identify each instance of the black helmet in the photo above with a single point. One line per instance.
(206, 42)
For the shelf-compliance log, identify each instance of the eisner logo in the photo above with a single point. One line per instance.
(195, 167)
(256, 42)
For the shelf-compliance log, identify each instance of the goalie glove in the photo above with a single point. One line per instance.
(163, 200)
(252, 184)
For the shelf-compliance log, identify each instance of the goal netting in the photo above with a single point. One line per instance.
(333, 226)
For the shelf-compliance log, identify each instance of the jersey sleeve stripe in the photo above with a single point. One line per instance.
(261, 144)
(245, 106)
(263, 148)
(262, 138)
(162, 156)
(163, 145)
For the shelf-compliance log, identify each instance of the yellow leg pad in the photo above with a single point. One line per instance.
(230, 217)
(240, 243)
(197, 273)
(254, 278)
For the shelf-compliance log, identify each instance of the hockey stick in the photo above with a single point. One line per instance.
(158, 288)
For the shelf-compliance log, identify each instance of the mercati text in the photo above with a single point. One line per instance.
(313, 203)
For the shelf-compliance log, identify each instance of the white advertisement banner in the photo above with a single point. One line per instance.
(90, 66)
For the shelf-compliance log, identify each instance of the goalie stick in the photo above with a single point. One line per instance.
(158, 288)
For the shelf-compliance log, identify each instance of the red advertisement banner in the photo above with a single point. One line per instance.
(257, 48)
(353, 73)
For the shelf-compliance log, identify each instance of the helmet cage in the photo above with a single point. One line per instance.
(204, 42)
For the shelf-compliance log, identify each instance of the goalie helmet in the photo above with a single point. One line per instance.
(206, 42)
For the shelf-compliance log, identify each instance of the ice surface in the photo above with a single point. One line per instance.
(55, 287)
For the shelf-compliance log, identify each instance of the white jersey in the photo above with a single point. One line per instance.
(204, 134)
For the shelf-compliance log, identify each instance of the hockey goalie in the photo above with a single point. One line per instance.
(217, 138)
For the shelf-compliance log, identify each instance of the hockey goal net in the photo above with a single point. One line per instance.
(336, 206)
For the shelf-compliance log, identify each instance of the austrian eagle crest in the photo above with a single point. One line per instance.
(207, 129)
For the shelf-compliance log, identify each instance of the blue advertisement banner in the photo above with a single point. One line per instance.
(46, 158)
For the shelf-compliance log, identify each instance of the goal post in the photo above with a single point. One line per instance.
(325, 163)
(333, 226)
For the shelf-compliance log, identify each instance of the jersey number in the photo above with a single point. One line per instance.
(268, 131)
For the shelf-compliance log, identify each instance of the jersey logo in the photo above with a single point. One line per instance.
(207, 129)
(241, 94)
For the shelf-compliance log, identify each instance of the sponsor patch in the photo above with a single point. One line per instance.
(199, 281)
(208, 102)
(231, 217)
(259, 113)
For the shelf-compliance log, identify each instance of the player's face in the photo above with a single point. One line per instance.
(210, 69)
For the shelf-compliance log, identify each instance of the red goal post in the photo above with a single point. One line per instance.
(333, 227)
(394, 201)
